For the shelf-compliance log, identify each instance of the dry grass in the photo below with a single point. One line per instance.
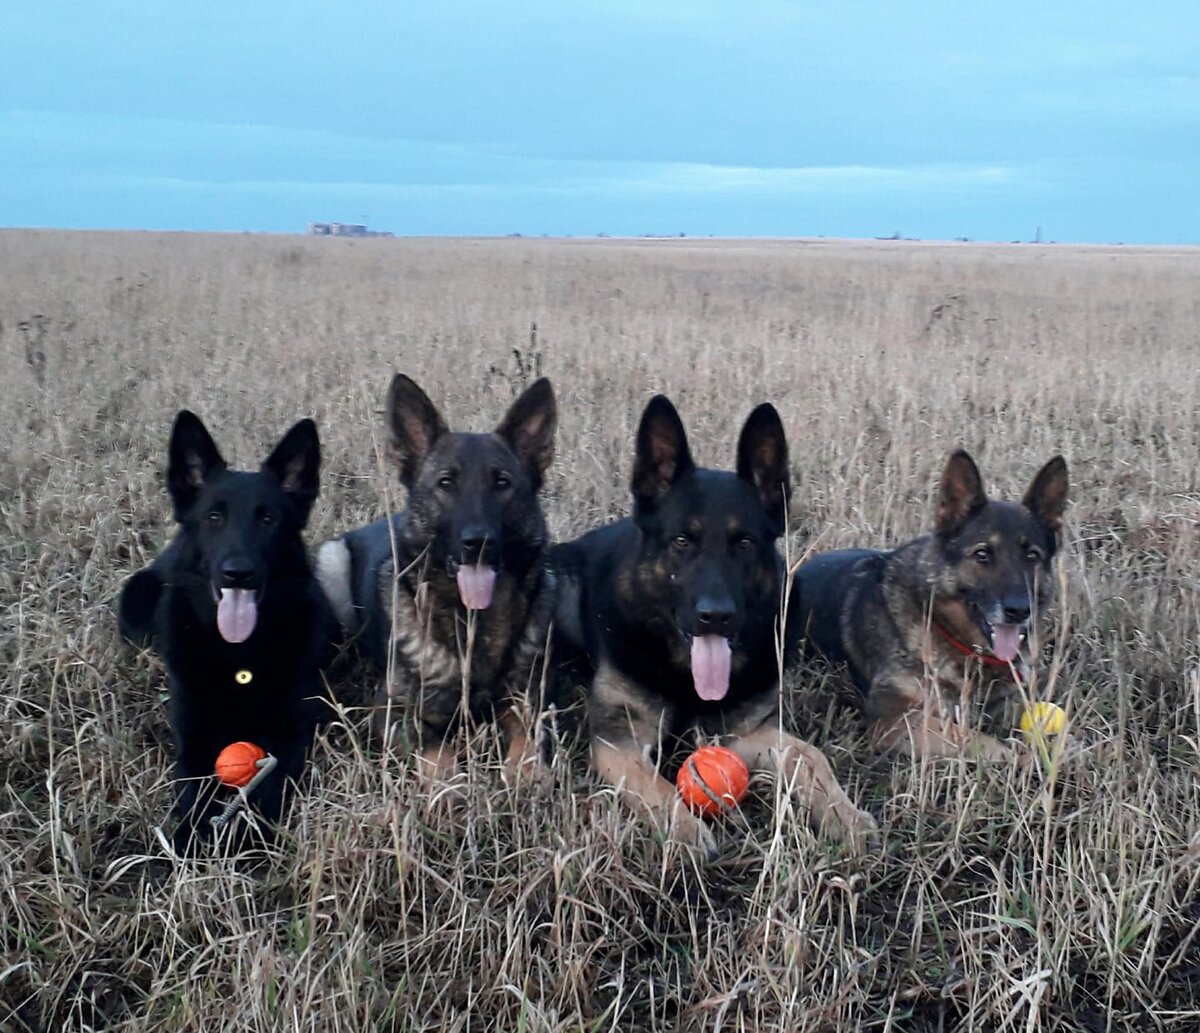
(1060, 897)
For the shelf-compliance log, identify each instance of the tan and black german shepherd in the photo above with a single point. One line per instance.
(946, 619)
(452, 598)
(676, 610)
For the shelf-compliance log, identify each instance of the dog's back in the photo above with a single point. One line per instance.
(349, 570)
(830, 591)
(581, 567)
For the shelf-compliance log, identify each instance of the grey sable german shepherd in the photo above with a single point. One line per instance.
(452, 598)
(947, 614)
(676, 609)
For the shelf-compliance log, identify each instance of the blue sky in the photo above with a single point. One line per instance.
(743, 117)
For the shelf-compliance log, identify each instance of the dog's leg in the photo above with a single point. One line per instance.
(806, 770)
(391, 725)
(290, 748)
(643, 788)
(624, 726)
(195, 798)
(903, 716)
(435, 762)
(923, 735)
(519, 756)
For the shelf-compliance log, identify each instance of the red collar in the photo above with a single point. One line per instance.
(984, 658)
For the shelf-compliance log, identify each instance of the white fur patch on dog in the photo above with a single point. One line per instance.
(333, 572)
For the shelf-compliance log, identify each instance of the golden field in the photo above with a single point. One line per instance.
(1057, 896)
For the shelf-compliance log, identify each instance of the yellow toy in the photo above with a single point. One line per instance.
(1043, 719)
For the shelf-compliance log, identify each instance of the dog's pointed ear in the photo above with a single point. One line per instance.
(192, 461)
(529, 427)
(960, 493)
(662, 455)
(415, 425)
(762, 459)
(1046, 498)
(296, 461)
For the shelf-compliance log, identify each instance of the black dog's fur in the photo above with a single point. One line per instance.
(472, 500)
(237, 530)
(917, 625)
(697, 558)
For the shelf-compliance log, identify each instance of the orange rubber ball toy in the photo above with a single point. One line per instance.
(237, 764)
(712, 780)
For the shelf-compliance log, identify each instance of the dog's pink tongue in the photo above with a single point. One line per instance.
(711, 657)
(475, 586)
(1006, 642)
(237, 613)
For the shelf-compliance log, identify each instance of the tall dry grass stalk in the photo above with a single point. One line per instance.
(1056, 895)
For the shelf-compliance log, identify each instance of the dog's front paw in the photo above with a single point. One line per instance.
(692, 834)
(855, 829)
(524, 766)
(978, 746)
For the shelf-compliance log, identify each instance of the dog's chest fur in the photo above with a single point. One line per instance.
(434, 641)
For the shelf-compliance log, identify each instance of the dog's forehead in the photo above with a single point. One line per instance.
(461, 449)
(239, 488)
(1006, 524)
(715, 500)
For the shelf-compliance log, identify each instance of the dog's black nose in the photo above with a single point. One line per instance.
(1016, 612)
(473, 539)
(714, 615)
(237, 574)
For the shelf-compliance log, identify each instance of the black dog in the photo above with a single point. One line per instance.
(677, 609)
(242, 624)
(456, 588)
(947, 612)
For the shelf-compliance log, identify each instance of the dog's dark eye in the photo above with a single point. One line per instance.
(502, 481)
(681, 541)
(266, 518)
(446, 481)
(745, 542)
(1033, 556)
(215, 517)
(982, 556)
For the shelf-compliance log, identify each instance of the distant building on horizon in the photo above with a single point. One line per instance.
(344, 229)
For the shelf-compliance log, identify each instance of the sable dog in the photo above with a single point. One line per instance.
(232, 605)
(453, 598)
(676, 609)
(948, 612)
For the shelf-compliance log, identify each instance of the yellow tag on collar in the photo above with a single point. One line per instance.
(244, 677)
